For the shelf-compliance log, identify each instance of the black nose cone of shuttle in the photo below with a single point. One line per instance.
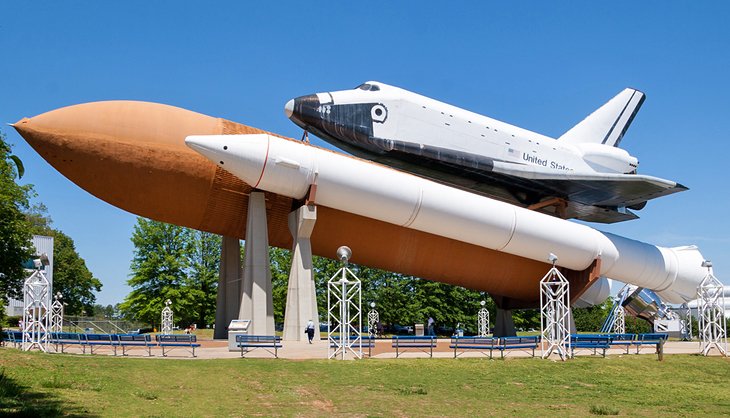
(304, 111)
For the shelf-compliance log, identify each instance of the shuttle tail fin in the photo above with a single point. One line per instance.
(608, 124)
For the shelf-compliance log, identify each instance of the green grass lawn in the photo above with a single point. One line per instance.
(36, 384)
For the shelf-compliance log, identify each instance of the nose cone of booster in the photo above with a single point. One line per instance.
(304, 111)
(242, 155)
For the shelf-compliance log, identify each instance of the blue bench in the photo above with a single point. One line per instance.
(98, 340)
(14, 337)
(172, 341)
(366, 341)
(594, 342)
(655, 339)
(518, 343)
(480, 344)
(403, 343)
(128, 341)
(63, 339)
(626, 340)
(252, 342)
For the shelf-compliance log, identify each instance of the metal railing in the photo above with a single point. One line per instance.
(100, 325)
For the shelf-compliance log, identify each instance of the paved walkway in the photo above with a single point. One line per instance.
(301, 350)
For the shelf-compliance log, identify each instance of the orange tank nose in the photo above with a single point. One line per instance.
(133, 156)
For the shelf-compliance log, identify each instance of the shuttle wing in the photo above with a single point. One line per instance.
(593, 197)
(598, 189)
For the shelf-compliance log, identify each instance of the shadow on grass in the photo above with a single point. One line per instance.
(17, 400)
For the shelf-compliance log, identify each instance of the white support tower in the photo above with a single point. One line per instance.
(711, 298)
(685, 322)
(483, 320)
(555, 313)
(616, 320)
(344, 299)
(56, 314)
(36, 291)
(619, 320)
(167, 322)
(373, 319)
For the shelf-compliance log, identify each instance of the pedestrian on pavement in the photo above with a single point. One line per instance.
(310, 330)
(431, 330)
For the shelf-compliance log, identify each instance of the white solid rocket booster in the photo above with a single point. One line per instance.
(364, 188)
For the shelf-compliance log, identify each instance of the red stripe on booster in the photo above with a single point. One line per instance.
(266, 159)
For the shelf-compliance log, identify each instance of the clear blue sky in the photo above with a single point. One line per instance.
(539, 65)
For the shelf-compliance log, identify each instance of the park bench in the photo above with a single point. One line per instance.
(366, 341)
(517, 343)
(129, 341)
(98, 340)
(14, 337)
(655, 339)
(480, 344)
(252, 342)
(369, 343)
(594, 342)
(172, 341)
(63, 339)
(626, 340)
(422, 343)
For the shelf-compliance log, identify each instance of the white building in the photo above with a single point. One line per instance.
(42, 245)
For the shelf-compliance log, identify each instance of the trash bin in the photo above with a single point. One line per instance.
(237, 327)
(419, 330)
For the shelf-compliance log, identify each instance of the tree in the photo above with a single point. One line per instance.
(175, 263)
(591, 319)
(106, 312)
(71, 277)
(158, 270)
(280, 265)
(15, 231)
(203, 252)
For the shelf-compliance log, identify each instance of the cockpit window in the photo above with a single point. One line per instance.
(368, 87)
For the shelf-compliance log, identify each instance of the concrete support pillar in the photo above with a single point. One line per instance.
(230, 287)
(301, 298)
(257, 303)
(504, 325)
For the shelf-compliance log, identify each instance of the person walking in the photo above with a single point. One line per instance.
(431, 330)
(310, 330)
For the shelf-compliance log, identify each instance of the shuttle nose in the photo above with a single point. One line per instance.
(304, 111)
(289, 108)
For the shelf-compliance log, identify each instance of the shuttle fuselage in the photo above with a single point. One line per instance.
(586, 169)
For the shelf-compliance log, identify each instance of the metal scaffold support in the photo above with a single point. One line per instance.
(56, 314)
(711, 309)
(555, 313)
(167, 318)
(36, 291)
(685, 322)
(373, 319)
(483, 320)
(619, 322)
(616, 320)
(344, 300)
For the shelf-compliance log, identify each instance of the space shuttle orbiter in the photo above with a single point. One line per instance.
(583, 174)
